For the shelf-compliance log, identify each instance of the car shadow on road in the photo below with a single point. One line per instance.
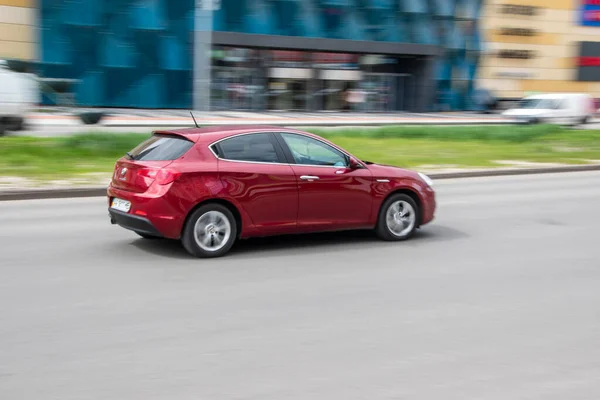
(317, 242)
(439, 233)
(304, 242)
(163, 248)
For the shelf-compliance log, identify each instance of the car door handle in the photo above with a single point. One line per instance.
(309, 177)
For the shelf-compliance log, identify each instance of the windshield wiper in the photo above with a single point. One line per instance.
(130, 155)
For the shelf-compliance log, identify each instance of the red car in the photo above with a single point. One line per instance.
(211, 186)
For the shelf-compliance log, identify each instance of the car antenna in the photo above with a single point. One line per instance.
(197, 126)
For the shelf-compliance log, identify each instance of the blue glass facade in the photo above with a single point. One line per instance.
(139, 53)
(126, 53)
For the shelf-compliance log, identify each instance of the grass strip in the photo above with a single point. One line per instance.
(425, 147)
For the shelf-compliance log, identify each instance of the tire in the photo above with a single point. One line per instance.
(14, 123)
(146, 236)
(19, 124)
(91, 118)
(584, 120)
(399, 228)
(215, 223)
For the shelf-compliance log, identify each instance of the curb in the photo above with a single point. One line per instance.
(41, 194)
(100, 191)
(512, 172)
(288, 123)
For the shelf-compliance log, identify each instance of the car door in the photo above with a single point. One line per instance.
(257, 177)
(561, 113)
(331, 195)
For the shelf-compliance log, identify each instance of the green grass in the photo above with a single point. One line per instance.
(507, 134)
(477, 146)
(412, 146)
(64, 157)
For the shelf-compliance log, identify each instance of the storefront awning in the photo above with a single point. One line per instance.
(323, 44)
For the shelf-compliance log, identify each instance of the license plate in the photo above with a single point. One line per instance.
(121, 205)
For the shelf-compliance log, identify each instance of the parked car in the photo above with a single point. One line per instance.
(19, 93)
(209, 187)
(557, 108)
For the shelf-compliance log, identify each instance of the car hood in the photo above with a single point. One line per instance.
(390, 171)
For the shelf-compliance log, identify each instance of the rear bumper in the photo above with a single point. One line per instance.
(133, 222)
(155, 210)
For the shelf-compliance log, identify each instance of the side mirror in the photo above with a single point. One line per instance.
(353, 164)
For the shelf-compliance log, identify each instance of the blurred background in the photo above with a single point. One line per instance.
(131, 66)
(301, 55)
(394, 55)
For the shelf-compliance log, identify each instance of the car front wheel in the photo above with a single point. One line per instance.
(398, 218)
(210, 231)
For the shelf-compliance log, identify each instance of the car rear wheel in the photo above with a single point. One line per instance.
(210, 231)
(398, 218)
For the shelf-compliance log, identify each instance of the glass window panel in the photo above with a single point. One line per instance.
(309, 151)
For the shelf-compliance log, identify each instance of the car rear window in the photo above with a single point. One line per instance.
(161, 148)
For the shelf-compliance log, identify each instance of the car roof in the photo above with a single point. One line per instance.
(214, 133)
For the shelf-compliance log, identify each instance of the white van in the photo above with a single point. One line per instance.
(558, 108)
(19, 94)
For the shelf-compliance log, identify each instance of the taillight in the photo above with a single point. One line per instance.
(162, 176)
(166, 176)
(147, 173)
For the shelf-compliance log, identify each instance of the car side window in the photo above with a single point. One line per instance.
(256, 147)
(309, 151)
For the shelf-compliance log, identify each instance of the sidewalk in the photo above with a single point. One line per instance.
(182, 118)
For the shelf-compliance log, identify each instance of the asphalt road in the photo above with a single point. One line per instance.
(498, 299)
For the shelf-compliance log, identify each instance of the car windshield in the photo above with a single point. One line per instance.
(538, 103)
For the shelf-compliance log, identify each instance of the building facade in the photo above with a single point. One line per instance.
(413, 55)
(18, 30)
(535, 46)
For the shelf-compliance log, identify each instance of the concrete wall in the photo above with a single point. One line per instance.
(553, 67)
(18, 30)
